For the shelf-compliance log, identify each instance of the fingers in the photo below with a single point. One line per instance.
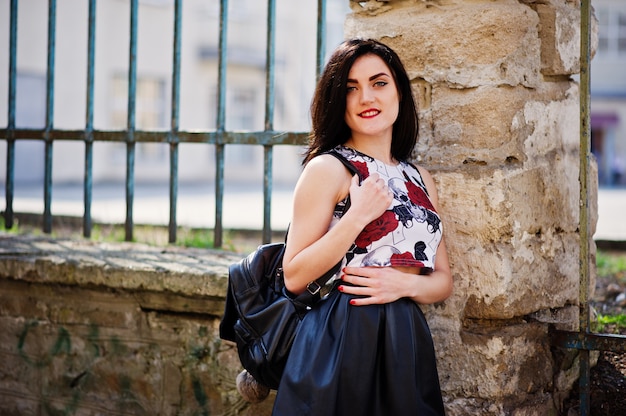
(378, 187)
(376, 180)
(359, 284)
(363, 295)
(372, 285)
(370, 198)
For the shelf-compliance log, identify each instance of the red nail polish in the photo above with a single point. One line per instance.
(340, 288)
(352, 302)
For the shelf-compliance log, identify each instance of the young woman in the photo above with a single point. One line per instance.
(365, 348)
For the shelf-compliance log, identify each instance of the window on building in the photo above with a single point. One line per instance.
(30, 112)
(241, 109)
(612, 31)
(150, 113)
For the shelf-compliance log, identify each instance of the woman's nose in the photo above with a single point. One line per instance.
(366, 95)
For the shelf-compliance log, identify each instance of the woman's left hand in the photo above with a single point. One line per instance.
(378, 285)
(375, 285)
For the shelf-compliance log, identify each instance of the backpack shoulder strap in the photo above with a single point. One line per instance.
(351, 168)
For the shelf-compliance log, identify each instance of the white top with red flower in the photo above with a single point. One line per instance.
(408, 233)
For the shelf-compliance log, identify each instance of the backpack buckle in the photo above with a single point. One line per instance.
(313, 288)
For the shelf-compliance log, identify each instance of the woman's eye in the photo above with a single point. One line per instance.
(380, 83)
(350, 88)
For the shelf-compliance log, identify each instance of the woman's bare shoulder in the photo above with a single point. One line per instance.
(325, 175)
(326, 167)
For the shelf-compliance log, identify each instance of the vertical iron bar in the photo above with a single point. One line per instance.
(269, 65)
(321, 37)
(88, 179)
(584, 154)
(173, 187)
(47, 212)
(269, 120)
(268, 160)
(130, 138)
(218, 232)
(174, 123)
(8, 215)
(221, 122)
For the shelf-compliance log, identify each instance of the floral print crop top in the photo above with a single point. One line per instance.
(408, 232)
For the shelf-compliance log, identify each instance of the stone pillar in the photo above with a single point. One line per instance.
(499, 130)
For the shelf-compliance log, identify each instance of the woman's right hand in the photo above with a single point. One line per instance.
(370, 198)
(312, 246)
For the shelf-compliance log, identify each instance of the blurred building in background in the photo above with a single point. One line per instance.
(295, 61)
(245, 91)
(608, 93)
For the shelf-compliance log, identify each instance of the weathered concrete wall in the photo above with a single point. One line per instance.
(120, 329)
(499, 130)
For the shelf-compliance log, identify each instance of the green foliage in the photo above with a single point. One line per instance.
(611, 264)
(154, 235)
(159, 236)
(12, 230)
(199, 238)
(108, 233)
(610, 323)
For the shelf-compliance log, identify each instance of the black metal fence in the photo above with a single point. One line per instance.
(219, 137)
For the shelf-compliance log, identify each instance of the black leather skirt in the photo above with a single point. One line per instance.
(361, 360)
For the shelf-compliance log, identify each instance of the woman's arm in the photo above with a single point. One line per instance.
(313, 249)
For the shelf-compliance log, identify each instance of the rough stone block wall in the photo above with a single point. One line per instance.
(499, 114)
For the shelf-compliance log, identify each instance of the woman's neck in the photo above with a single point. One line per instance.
(376, 149)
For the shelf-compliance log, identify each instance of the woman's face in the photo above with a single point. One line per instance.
(372, 100)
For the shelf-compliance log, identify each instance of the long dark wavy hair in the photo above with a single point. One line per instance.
(328, 107)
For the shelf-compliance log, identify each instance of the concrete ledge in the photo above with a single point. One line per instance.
(115, 328)
(171, 278)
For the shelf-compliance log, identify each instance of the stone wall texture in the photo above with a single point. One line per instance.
(114, 329)
(90, 328)
(499, 114)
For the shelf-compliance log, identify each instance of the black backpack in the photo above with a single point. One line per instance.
(260, 315)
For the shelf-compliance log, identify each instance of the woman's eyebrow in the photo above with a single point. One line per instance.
(373, 77)
(380, 74)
